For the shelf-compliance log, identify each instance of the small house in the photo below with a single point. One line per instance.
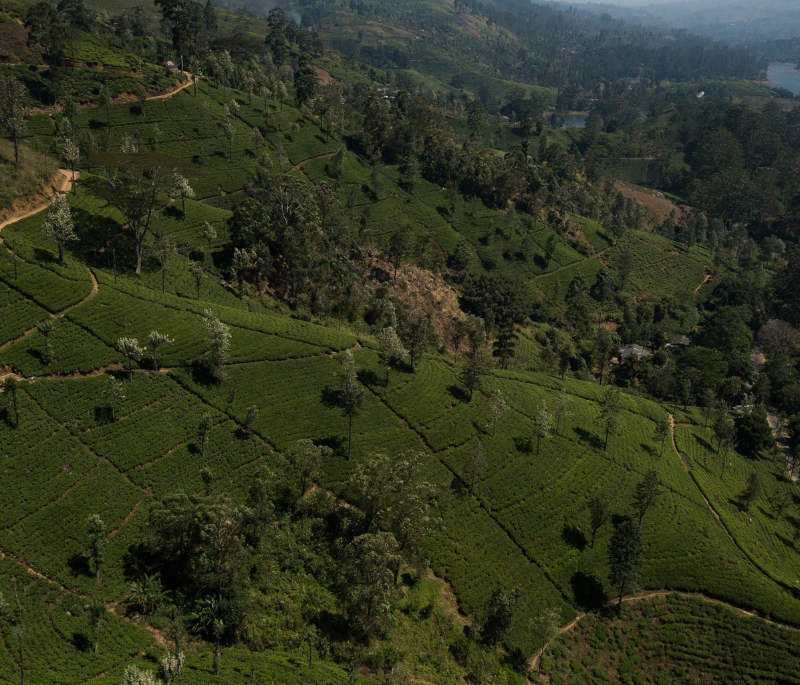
(636, 351)
(679, 343)
(170, 65)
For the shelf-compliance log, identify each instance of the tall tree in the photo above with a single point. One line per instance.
(218, 346)
(475, 465)
(545, 626)
(399, 246)
(561, 407)
(11, 389)
(129, 347)
(649, 492)
(498, 406)
(59, 226)
(132, 185)
(500, 612)
(183, 190)
(625, 554)
(46, 327)
(16, 621)
(542, 424)
(306, 459)
(205, 426)
(114, 393)
(611, 412)
(599, 513)
(198, 273)
(352, 397)
(476, 365)
(661, 433)
(157, 340)
(725, 430)
(416, 334)
(96, 531)
(13, 111)
(305, 79)
(751, 492)
(368, 573)
(391, 349)
(97, 614)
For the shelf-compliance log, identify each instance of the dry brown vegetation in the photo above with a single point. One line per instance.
(658, 208)
(26, 187)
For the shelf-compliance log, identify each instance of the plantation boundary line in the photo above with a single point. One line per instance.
(588, 448)
(125, 520)
(24, 564)
(59, 315)
(783, 586)
(224, 411)
(61, 496)
(480, 502)
(533, 662)
(567, 266)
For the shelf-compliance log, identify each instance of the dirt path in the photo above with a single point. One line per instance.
(299, 165)
(533, 662)
(705, 280)
(164, 96)
(65, 187)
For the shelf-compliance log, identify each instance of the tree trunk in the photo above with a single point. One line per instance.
(21, 660)
(139, 246)
(184, 208)
(16, 152)
(130, 368)
(61, 253)
(619, 603)
(97, 638)
(350, 440)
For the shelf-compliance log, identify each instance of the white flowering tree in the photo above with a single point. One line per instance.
(59, 226)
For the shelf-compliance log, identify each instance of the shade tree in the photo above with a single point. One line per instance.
(351, 397)
(129, 348)
(649, 492)
(58, 226)
(114, 395)
(96, 532)
(625, 557)
(390, 349)
(157, 340)
(218, 346)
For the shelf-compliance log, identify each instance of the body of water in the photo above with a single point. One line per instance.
(574, 121)
(784, 76)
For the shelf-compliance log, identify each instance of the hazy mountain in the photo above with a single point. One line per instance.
(736, 21)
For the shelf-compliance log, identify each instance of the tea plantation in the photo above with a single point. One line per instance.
(520, 520)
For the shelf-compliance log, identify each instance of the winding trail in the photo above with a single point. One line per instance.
(63, 188)
(533, 662)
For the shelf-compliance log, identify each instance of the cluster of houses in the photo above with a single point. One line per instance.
(678, 344)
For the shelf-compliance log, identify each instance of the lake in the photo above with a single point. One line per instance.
(784, 76)
(574, 121)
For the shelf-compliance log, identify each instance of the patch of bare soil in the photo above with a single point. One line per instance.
(14, 44)
(324, 77)
(447, 599)
(417, 286)
(658, 208)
